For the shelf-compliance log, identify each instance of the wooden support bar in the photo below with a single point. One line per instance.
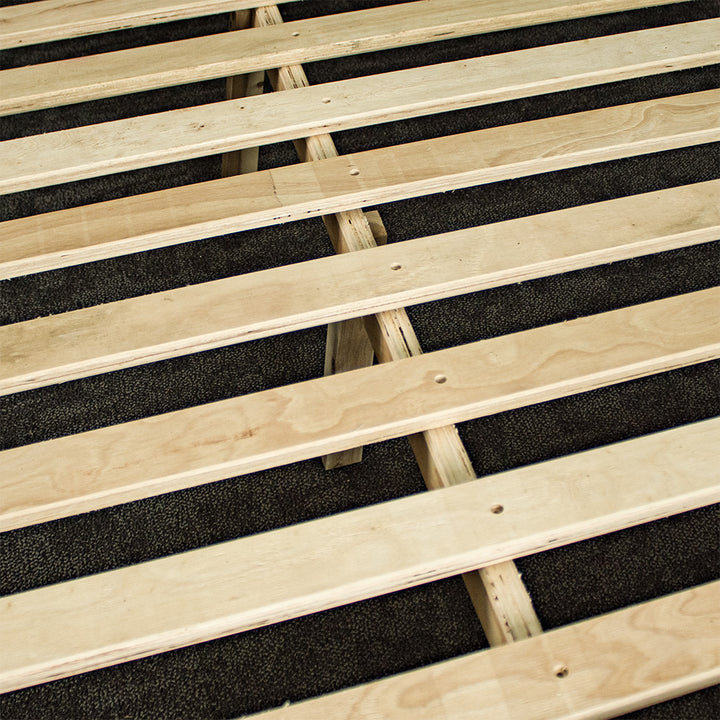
(347, 345)
(48, 20)
(599, 668)
(34, 87)
(150, 140)
(77, 235)
(444, 462)
(95, 621)
(352, 233)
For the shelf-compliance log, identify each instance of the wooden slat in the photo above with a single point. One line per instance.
(99, 620)
(615, 664)
(77, 235)
(167, 452)
(87, 78)
(49, 20)
(204, 130)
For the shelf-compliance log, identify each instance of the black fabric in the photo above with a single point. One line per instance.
(302, 658)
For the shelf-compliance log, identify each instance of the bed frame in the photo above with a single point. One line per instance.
(599, 667)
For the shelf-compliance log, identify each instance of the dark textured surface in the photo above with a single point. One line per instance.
(320, 653)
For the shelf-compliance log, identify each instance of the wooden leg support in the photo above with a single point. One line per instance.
(497, 593)
(348, 346)
(242, 161)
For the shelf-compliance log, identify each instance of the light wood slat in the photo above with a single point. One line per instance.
(49, 20)
(77, 235)
(103, 619)
(188, 447)
(616, 663)
(97, 76)
(235, 124)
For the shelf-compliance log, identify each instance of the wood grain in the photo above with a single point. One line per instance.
(615, 664)
(145, 68)
(235, 124)
(282, 425)
(103, 619)
(77, 235)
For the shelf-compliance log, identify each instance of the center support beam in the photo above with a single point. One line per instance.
(498, 594)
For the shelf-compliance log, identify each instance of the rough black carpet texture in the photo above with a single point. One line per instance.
(256, 670)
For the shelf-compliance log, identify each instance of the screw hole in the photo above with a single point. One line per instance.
(354, 171)
(440, 379)
(561, 671)
(327, 100)
(496, 509)
(395, 266)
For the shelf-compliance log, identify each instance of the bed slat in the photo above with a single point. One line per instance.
(93, 232)
(189, 319)
(57, 19)
(145, 68)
